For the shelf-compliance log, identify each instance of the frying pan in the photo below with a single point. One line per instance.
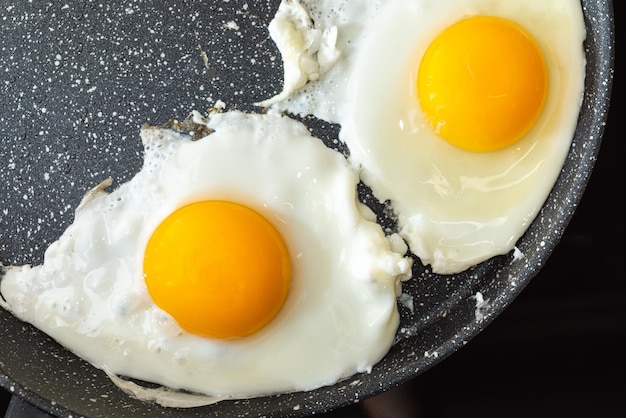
(79, 78)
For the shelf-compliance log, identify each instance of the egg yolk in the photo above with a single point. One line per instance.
(219, 268)
(482, 83)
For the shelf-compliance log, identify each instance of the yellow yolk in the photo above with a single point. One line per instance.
(482, 83)
(219, 268)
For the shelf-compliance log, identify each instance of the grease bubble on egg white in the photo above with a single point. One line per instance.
(455, 207)
(339, 317)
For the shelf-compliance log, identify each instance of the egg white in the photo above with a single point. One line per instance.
(455, 208)
(340, 316)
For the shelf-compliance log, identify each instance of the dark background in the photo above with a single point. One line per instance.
(558, 350)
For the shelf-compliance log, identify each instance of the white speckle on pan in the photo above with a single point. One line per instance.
(431, 354)
(517, 254)
(407, 301)
(232, 25)
(482, 306)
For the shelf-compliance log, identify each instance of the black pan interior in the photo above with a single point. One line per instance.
(78, 79)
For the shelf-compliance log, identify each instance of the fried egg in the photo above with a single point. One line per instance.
(459, 113)
(236, 265)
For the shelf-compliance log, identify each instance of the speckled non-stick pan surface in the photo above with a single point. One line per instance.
(79, 78)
